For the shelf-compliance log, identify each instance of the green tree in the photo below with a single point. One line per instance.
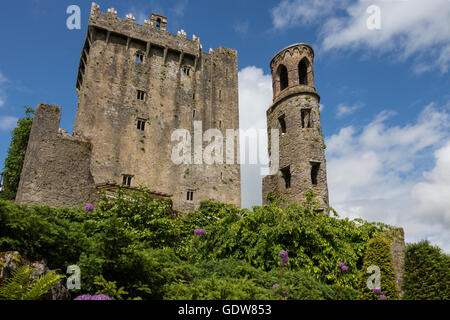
(378, 253)
(16, 155)
(426, 273)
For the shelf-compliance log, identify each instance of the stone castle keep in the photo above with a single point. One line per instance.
(136, 84)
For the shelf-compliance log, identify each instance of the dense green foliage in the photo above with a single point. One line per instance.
(426, 273)
(133, 246)
(16, 155)
(22, 286)
(378, 254)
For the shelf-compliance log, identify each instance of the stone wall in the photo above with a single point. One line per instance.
(108, 108)
(56, 165)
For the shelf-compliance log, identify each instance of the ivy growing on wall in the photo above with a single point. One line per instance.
(16, 155)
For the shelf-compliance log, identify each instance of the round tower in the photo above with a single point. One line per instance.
(295, 113)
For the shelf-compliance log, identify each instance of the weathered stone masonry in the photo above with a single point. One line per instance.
(295, 113)
(56, 165)
(136, 84)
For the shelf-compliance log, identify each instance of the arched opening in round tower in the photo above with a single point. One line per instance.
(303, 72)
(283, 75)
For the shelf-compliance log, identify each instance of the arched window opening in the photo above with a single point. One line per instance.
(303, 72)
(284, 80)
(158, 24)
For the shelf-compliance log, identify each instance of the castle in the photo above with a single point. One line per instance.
(136, 85)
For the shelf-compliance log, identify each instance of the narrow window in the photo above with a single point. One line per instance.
(140, 95)
(303, 72)
(306, 118)
(282, 122)
(141, 124)
(220, 94)
(193, 96)
(220, 124)
(315, 166)
(286, 173)
(284, 80)
(126, 181)
(186, 71)
(139, 57)
(158, 24)
(193, 113)
(190, 196)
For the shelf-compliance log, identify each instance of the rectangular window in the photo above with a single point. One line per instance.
(282, 122)
(306, 118)
(186, 71)
(193, 113)
(286, 173)
(126, 180)
(140, 95)
(139, 57)
(141, 124)
(315, 166)
(190, 196)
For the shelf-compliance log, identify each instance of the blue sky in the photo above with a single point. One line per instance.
(384, 93)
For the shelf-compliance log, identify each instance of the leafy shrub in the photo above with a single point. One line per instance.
(39, 232)
(214, 288)
(315, 241)
(378, 254)
(426, 273)
(140, 245)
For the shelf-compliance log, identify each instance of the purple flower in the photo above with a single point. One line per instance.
(399, 279)
(377, 290)
(284, 256)
(383, 297)
(343, 266)
(199, 232)
(275, 286)
(89, 207)
(285, 292)
(96, 297)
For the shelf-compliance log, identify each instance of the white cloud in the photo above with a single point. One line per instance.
(302, 12)
(413, 27)
(255, 97)
(241, 27)
(432, 196)
(8, 123)
(376, 173)
(179, 8)
(345, 109)
(3, 80)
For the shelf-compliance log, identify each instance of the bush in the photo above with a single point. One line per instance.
(38, 232)
(426, 273)
(378, 254)
(316, 242)
(214, 288)
(137, 244)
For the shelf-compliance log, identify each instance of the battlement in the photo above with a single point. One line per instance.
(154, 30)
